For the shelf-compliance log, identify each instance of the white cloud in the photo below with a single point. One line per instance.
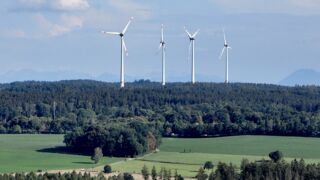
(131, 8)
(69, 15)
(53, 5)
(72, 4)
(295, 7)
(66, 25)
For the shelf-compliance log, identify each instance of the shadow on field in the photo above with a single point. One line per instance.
(57, 149)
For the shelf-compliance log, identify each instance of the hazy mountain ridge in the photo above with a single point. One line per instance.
(302, 77)
(299, 77)
(32, 75)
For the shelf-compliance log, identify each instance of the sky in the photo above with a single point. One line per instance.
(270, 39)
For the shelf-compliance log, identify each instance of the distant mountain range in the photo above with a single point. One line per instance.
(302, 77)
(27, 75)
(299, 77)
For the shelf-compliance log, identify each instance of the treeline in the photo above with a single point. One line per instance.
(259, 170)
(120, 140)
(64, 176)
(182, 109)
(264, 170)
(47, 176)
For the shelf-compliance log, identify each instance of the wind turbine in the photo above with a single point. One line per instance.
(192, 45)
(123, 49)
(162, 46)
(226, 48)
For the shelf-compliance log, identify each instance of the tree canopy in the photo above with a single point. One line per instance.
(121, 140)
(180, 109)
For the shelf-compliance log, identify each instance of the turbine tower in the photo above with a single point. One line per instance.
(226, 48)
(123, 49)
(162, 46)
(191, 51)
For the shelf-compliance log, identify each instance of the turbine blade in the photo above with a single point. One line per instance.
(185, 29)
(159, 49)
(222, 53)
(162, 36)
(229, 47)
(126, 28)
(112, 33)
(224, 36)
(125, 47)
(196, 33)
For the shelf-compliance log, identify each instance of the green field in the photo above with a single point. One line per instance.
(20, 153)
(30, 152)
(187, 155)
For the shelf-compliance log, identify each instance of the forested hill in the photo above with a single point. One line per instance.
(176, 109)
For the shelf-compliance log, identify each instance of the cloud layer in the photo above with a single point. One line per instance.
(66, 25)
(293, 7)
(54, 5)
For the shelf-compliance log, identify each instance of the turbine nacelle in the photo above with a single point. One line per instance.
(191, 36)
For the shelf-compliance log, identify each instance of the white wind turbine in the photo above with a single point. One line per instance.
(162, 46)
(226, 48)
(192, 45)
(123, 49)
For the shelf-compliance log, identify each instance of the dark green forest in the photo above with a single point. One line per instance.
(264, 170)
(178, 109)
(121, 140)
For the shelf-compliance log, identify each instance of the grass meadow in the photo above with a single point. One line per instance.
(21, 153)
(188, 155)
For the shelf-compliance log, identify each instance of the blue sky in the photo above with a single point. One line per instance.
(270, 39)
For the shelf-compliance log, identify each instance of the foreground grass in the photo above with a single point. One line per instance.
(188, 155)
(22, 153)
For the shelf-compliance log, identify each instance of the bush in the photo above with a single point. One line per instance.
(97, 155)
(127, 176)
(145, 172)
(16, 129)
(276, 156)
(201, 174)
(107, 169)
(208, 165)
(3, 130)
